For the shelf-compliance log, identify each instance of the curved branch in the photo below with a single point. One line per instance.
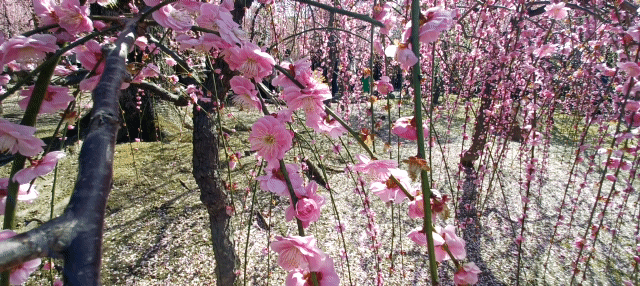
(343, 12)
(161, 92)
(541, 10)
(77, 234)
(315, 29)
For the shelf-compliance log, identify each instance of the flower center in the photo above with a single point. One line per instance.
(309, 278)
(269, 139)
(278, 175)
(250, 67)
(391, 184)
(429, 17)
(6, 142)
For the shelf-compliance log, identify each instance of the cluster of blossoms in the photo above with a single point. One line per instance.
(300, 256)
(385, 177)
(394, 185)
(433, 22)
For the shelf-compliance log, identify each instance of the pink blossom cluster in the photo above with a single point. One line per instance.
(26, 193)
(69, 15)
(433, 22)
(305, 261)
(405, 127)
(56, 98)
(22, 52)
(385, 179)
(309, 98)
(16, 138)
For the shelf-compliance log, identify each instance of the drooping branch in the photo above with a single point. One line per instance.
(316, 29)
(77, 234)
(343, 12)
(161, 92)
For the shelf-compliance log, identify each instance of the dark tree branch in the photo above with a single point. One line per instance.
(541, 10)
(77, 234)
(343, 12)
(161, 92)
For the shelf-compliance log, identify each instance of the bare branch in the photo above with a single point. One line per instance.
(161, 92)
(343, 12)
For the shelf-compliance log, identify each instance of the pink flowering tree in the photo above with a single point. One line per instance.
(501, 72)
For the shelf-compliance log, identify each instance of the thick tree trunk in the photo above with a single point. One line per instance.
(206, 165)
(212, 192)
(479, 138)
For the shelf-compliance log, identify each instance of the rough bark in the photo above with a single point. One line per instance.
(206, 163)
(479, 138)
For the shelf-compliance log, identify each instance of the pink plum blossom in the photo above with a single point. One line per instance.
(416, 207)
(309, 99)
(467, 274)
(300, 70)
(325, 276)
(150, 70)
(377, 47)
(455, 244)
(379, 12)
(4, 79)
(217, 18)
(307, 208)
(405, 127)
(39, 167)
(169, 17)
(632, 69)
(250, 61)
(438, 206)
(26, 193)
(56, 98)
(388, 190)
(384, 86)
(17, 138)
(191, 6)
(45, 12)
(325, 124)
(402, 53)
(418, 236)
(245, 93)
(28, 50)
(227, 4)
(557, 11)
(374, 167)
(213, 41)
(545, 50)
(73, 17)
(298, 252)
(171, 62)
(432, 22)
(274, 180)
(270, 138)
(20, 273)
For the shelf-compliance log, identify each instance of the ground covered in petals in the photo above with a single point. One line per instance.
(156, 229)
